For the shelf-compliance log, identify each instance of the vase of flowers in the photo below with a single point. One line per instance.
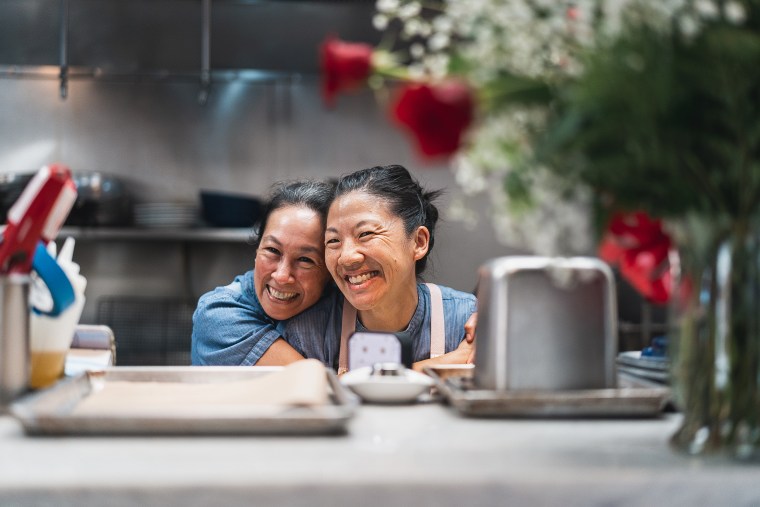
(716, 315)
(639, 116)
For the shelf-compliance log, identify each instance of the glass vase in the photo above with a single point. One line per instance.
(715, 337)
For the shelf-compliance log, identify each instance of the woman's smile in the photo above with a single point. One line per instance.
(281, 295)
(360, 279)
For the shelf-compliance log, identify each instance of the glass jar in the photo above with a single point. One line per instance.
(715, 349)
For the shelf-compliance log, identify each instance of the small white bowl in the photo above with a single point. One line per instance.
(403, 388)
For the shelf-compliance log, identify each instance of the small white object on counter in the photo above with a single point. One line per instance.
(387, 383)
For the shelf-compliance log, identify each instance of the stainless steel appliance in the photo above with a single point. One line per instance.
(546, 323)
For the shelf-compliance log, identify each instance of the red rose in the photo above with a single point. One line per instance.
(345, 66)
(638, 244)
(437, 115)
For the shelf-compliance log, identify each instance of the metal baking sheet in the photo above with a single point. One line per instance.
(623, 402)
(49, 412)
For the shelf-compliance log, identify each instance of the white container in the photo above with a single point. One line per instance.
(51, 337)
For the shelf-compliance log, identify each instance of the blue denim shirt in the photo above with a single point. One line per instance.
(231, 328)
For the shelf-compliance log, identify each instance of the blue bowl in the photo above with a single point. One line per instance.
(224, 209)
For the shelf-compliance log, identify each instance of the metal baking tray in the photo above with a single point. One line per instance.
(461, 394)
(49, 412)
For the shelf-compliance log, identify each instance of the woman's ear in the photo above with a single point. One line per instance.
(421, 240)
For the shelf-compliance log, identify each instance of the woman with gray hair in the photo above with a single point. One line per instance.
(241, 323)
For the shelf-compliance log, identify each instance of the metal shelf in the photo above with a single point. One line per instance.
(52, 72)
(200, 234)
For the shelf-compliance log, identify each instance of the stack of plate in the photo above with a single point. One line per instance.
(166, 214)
(648, 368)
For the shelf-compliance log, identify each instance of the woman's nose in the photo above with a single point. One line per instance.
(283, 272)
(350, 255)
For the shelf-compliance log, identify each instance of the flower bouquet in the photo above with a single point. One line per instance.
(619, 110)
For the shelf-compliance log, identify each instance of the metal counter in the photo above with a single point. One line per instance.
(422, 455)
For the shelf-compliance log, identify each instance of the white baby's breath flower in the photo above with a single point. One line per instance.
(387, 6)
(380, 21)
(688, 25)
(706, 9)
(382, 59)
(425, 29)
(459, 211)
(543, 39)
(416, 71)
(734, 12)
(438, 42)
(411, 28)
(468, 175)
(437, 65)
(443, 24)
(417, 50)
(409, 10)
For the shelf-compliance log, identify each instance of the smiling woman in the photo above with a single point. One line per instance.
(380, 230)
(241, 323)
(290, 271)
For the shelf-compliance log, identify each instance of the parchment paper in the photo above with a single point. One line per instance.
(300, 384)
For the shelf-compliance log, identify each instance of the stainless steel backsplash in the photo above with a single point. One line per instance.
(248, 136)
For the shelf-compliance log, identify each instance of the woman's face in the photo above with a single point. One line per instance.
(369, 254)
(290, 271)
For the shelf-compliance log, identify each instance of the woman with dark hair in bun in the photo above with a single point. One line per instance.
(379, 233)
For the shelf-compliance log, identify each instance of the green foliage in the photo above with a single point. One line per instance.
(664, 124)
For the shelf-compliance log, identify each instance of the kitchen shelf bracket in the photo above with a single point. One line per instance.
(63, 75)
(205, 51)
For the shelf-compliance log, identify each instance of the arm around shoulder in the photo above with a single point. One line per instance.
(231, 328)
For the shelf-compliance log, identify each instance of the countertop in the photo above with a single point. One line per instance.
(420, 455)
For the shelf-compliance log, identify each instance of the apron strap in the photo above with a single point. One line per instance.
(437, 331)
(348, 326)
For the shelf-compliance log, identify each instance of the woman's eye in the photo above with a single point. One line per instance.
(271, 250)
(331, 241)
(365, 234)
(306, 260)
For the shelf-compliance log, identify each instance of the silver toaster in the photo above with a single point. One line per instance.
(547, 323)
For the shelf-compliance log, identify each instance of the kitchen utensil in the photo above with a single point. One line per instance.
(546, 323)
(37, 214)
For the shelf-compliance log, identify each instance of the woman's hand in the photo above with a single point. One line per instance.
(463, 354)
(469, 335)
(469, 328)
(460, 355)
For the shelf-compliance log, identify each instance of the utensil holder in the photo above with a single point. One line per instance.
(14, 337)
